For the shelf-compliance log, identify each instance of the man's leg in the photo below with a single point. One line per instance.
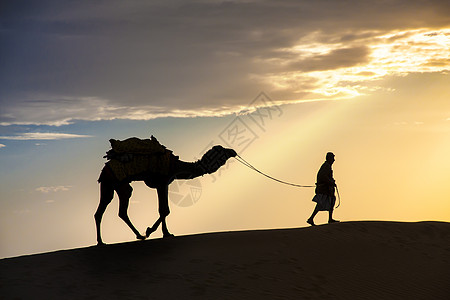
(330, 217)
(311, 219)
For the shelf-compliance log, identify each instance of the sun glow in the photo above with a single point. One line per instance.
(413, 51)
(393, 53)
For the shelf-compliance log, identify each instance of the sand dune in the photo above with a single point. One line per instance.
(351, 260)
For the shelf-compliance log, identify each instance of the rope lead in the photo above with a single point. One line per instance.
(248, 165)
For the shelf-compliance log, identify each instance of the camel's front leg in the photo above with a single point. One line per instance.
(152, 229)
(164, 211)
(161, 220)
(165, 231)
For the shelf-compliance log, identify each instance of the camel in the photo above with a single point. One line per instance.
(162, 169)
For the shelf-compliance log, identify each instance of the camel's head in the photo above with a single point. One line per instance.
(216, 157)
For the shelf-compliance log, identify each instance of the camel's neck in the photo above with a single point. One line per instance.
(187, 170)
(209, 163)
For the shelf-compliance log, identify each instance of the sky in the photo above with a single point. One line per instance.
(282, 82)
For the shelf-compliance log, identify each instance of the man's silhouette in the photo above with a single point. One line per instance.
(325, 186)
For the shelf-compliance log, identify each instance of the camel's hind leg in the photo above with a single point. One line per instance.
(124, 192)
(106, 196)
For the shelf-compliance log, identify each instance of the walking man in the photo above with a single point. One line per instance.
(325, 186)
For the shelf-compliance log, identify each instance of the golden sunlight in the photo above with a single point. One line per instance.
(318, 71)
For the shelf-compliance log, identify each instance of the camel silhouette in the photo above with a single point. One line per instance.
(157, 169)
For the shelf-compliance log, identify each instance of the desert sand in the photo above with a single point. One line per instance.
(349, 260)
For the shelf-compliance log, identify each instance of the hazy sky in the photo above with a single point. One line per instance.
(367, 80)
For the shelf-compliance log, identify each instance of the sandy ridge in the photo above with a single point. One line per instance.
(350, 260)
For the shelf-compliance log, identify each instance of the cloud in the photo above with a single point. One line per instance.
(43, 136)
(56, 110)
(52, 189)
(140, 60)
(2, 146)
(22, 212)
(348, 72)
(67, 110)
(335, 59)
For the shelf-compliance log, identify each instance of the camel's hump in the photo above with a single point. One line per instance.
(137, 145)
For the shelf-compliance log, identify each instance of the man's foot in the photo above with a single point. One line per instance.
(310, 222)
(333, 221)
(168, 235)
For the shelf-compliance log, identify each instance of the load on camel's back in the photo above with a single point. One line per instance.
(147, 160)
(132, 157)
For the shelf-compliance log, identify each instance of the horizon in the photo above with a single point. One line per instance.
(238, 231)
(355, 260)
(282, 83)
